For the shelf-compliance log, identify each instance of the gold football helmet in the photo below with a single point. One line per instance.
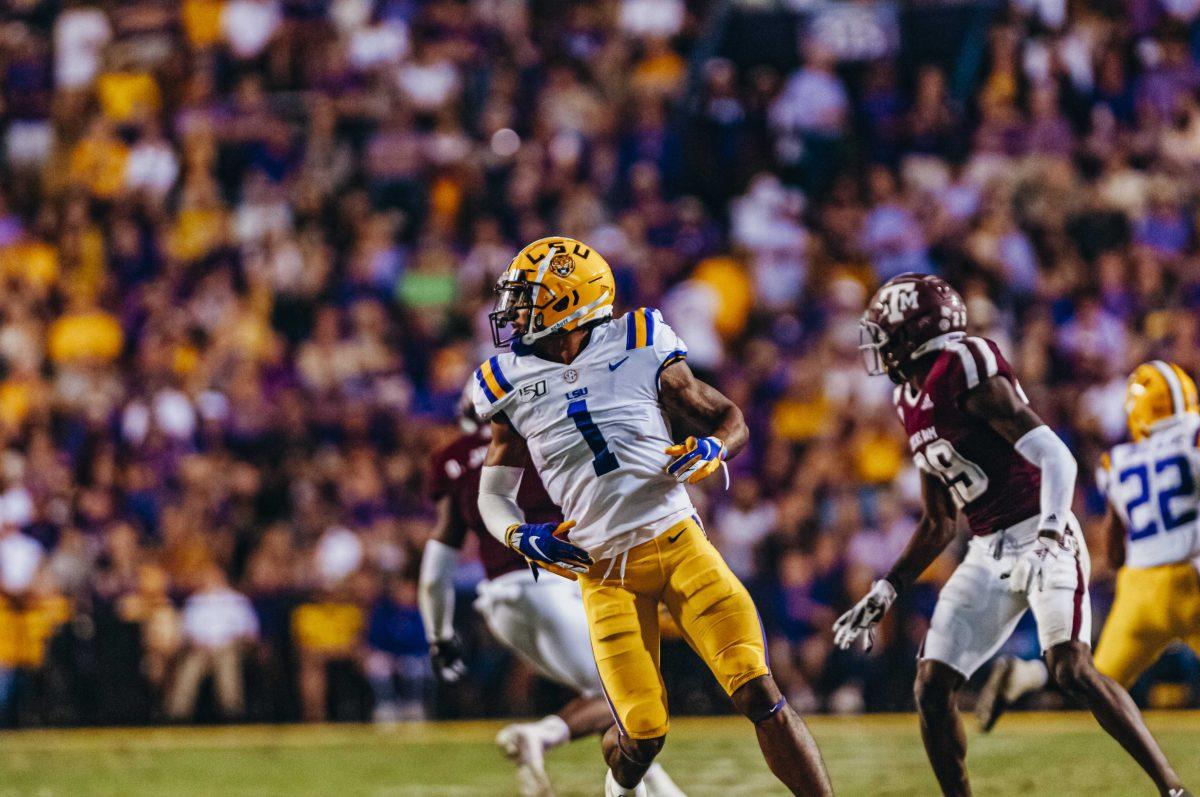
(553, 285)
(1158, 391)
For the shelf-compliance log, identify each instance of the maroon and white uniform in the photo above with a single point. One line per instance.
(541, 620)
(998, 491)
(993, 485)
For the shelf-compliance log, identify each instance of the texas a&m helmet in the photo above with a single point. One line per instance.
(909, 317)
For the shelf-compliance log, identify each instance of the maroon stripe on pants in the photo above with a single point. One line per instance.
(1077, 617)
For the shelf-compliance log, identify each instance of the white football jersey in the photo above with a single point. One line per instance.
(595, 429)
(1154, 486)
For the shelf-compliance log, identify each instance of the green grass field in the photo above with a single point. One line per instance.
(1051, 754)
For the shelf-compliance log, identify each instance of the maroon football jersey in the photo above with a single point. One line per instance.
(988, 480)
(454, 471)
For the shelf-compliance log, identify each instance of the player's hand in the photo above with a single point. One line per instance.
(1026, 573)
(695, 458)
(448, 664)
(865, 615)
(547, 543)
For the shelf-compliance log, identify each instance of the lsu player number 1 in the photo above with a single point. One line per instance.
(605, 453)
(603, 460)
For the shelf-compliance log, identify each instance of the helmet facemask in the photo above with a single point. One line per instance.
(514, 299)
(878, 356)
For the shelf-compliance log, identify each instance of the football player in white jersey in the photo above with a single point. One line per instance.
(1153, 528)
(591, 400)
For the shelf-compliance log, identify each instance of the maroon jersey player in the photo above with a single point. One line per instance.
(993, 485)
(983, 452)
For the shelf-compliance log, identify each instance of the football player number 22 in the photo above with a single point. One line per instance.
(1141, 475)
(965, 480)
(603, 460)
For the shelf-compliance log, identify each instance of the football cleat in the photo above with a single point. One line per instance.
(659, 784)
(521, 744)
(993, 698)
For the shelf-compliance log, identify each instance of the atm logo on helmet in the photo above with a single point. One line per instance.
(895, 300)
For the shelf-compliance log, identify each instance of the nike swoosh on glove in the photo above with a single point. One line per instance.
(865, 615)
(695, 458)
(546, 543)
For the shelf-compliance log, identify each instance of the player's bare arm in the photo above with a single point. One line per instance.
(933, 533)
(1112, 531)
(448, 526)
(507, 447)
(699, 406)
(702, 406)
(996, 402)
(543, 544)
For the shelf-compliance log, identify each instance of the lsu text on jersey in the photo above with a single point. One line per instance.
(596, 433)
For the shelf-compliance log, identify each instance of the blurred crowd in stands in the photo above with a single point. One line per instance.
(246, 250)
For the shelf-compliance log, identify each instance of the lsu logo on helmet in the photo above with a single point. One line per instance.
(553, 285)
(1158, 391)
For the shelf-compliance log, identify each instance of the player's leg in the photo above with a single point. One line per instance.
(1062, 608)
(1188, 601)
(717, 618)
(975, 613)
(622, 617)
(564, 654)
(506, 610)
(559, 649)
(1071, 667)
(1138, 628)
(936, 695)
(786, 743)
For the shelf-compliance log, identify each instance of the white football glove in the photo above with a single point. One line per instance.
(865, 615)
(1027, 571)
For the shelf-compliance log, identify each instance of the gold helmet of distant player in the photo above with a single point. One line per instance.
(1158, 391)
(553, 285)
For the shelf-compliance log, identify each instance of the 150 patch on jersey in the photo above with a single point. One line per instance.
(534, 390)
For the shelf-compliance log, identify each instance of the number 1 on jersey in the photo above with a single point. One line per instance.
(603, 460)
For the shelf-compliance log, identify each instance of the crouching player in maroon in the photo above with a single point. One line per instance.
(982, 451)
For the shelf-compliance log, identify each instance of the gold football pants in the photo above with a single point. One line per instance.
(715, 614)
(1154, 607)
